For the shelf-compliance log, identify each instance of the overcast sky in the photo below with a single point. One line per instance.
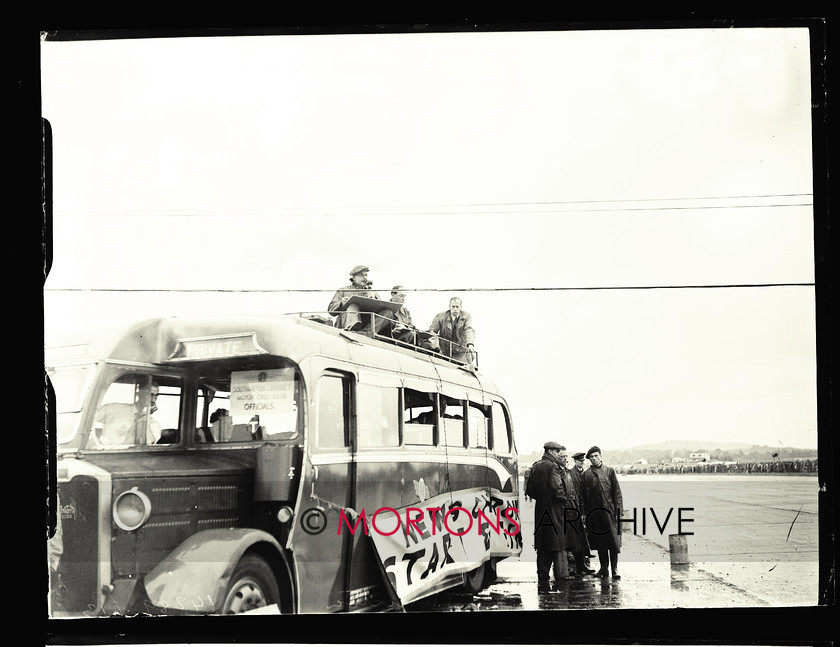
(250, 174)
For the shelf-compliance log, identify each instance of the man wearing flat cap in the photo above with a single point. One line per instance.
(348, 318)
(549, 486)
(604, 507)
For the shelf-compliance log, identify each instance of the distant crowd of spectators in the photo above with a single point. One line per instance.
(746, 467)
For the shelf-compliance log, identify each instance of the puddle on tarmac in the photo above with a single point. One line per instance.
(576, 593)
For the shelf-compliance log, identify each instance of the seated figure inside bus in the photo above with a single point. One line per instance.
(124, 423)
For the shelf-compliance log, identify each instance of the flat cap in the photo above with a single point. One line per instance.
(552, 445)
(592, 450)
(579, 456)
(359, 269)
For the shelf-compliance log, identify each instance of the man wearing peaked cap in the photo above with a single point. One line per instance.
(548, 485)
(604, 511)
(347, 317)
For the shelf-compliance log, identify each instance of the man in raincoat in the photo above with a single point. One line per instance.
(604, 508)
(548, 487)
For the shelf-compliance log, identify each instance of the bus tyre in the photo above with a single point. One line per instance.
(490, 571)
(251, 586)
(474, 579)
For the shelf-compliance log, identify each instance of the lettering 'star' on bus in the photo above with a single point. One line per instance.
(215, 466)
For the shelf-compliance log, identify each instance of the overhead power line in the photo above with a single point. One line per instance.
(451, 289)
(487, 208)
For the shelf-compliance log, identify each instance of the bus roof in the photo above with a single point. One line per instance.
(176, 340)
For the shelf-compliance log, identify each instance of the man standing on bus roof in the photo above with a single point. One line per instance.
(455, 329)
(604, 508)
(548, 488)
(348, 318)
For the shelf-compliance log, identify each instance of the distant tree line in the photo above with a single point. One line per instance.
(756, 459)
(746, 467)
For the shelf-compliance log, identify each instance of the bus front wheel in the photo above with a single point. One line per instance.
(252, 586)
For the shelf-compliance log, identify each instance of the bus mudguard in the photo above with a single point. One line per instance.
(193, 578)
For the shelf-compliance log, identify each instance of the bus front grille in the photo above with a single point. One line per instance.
(73, 587)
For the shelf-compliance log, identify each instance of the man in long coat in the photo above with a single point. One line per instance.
(548, 488)
(604, 507)
(576, 474)
(576, 539)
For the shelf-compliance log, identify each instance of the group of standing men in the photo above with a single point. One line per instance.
(451, 331)
(576, 510)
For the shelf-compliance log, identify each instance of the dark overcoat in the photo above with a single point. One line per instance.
(340, 298)
(548, 488)
(576, 539)
(604, 506)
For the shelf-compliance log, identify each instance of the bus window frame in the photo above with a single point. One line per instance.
(91, 376)
(210, 370)
(387, 391)
(111, 373)
(483, 409)
(435, 403)
(348, 412)
(508, 428)
(442, 418)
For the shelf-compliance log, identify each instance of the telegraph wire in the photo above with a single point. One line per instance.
(451, 289)
(475, 208)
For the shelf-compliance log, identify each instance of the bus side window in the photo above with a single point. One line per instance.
(332, 412)
(418, 417)
(477, 426)
(452, 419)
(376, 415)
(501, 429)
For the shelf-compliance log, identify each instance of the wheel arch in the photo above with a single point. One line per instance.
(193, 578)
(281, 564)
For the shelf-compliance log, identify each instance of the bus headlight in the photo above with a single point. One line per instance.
(131, 509)
(285, 514)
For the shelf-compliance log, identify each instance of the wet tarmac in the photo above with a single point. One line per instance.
(754, 545)
(654, 584)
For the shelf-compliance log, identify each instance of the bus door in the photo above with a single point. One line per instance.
(322, 555)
